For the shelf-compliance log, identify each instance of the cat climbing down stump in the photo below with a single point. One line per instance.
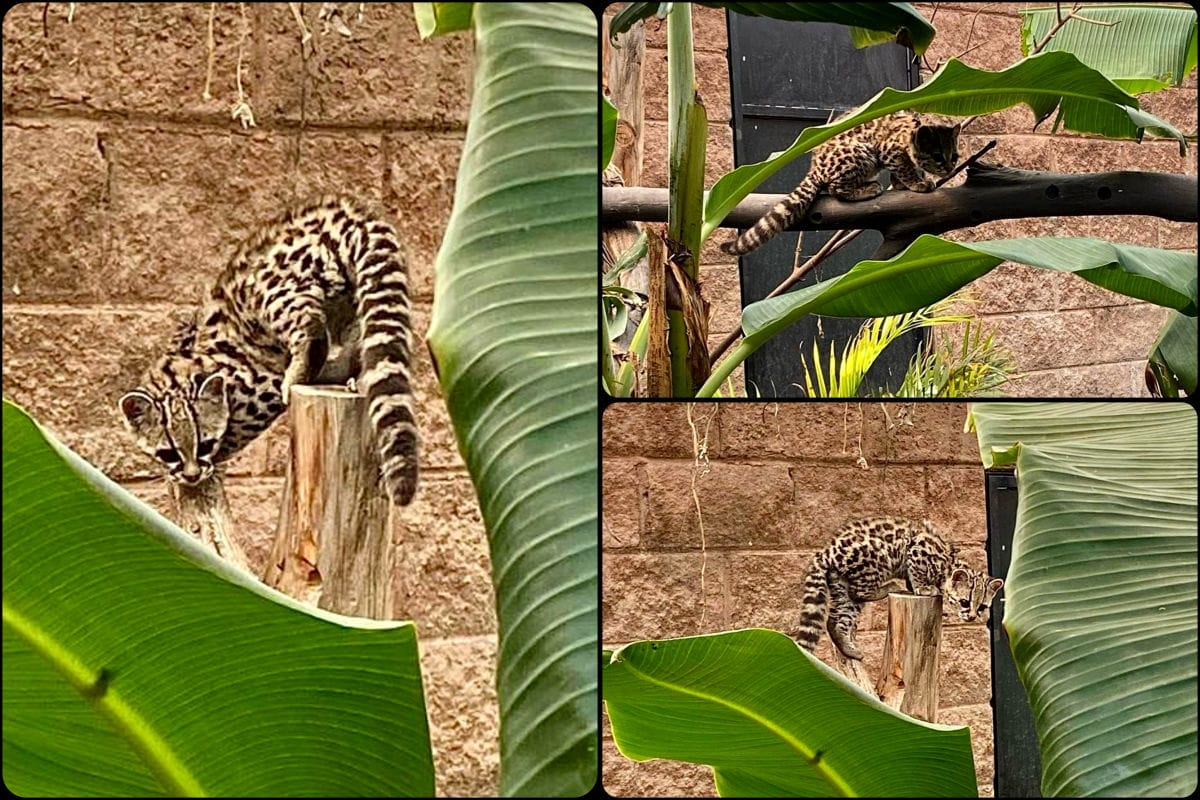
(869, 558)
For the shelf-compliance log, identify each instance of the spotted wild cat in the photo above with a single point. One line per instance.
(910, 146)
(330, 275)
(869, 558)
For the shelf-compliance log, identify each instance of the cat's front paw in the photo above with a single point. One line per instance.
(295, 374)
(924, 186)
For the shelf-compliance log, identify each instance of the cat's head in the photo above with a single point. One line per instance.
(935, 147)
(969, 593)
(180, 425)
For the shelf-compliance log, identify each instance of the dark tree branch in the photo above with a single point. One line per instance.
(990, 193)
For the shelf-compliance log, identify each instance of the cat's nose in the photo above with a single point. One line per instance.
(191, 474)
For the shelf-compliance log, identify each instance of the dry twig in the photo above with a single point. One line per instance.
(305, 33)
(241, 110)
(212, 52)
(700, 468)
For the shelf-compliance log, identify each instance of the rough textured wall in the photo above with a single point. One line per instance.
(1068, 337)
(784, 477)
(125, 191)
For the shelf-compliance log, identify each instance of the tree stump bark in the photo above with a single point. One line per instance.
(908, 677)
(623, 83)
(622, 77)
(333, 542)
(855, 671)
(203, 511)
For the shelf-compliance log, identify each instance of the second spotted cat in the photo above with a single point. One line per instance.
(869, 558)
(910, 146)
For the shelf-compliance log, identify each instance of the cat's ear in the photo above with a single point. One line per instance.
(211, 407)
(994, 585)
(136, 407)
(960, 581)
(212, 390)
(956, 129)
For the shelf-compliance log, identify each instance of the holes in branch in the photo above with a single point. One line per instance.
(1052, 192)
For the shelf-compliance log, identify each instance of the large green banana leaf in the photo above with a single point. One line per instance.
(1087, 101)
(873, 23)
(1173, 358)
(137, 663)
(1101, 594)
(932, 268)
(513, 336)
(1143, 48)
(772, 721)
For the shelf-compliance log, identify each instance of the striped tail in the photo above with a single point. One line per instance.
(381, 298)
(786, 211)
(813, 609)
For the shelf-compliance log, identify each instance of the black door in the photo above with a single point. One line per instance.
(1018, 763)
(786, 76)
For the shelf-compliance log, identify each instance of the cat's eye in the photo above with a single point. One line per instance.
(206, 448)
(167, 455)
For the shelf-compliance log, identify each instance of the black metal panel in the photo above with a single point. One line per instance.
(1018, 763)
(810, 63)
(785, 77)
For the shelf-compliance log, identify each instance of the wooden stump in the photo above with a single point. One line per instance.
(203, 510)
(855, 671)
(333, 542)
(908, 677)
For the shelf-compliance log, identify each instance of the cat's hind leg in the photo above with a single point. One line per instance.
(298, 318)
(897, 585)
(843, 620)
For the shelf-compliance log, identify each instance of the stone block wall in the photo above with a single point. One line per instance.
(1069, 337)
(782, 478)
(125, 190)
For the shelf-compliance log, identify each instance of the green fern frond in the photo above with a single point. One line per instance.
(844, 378)
(977, 367)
